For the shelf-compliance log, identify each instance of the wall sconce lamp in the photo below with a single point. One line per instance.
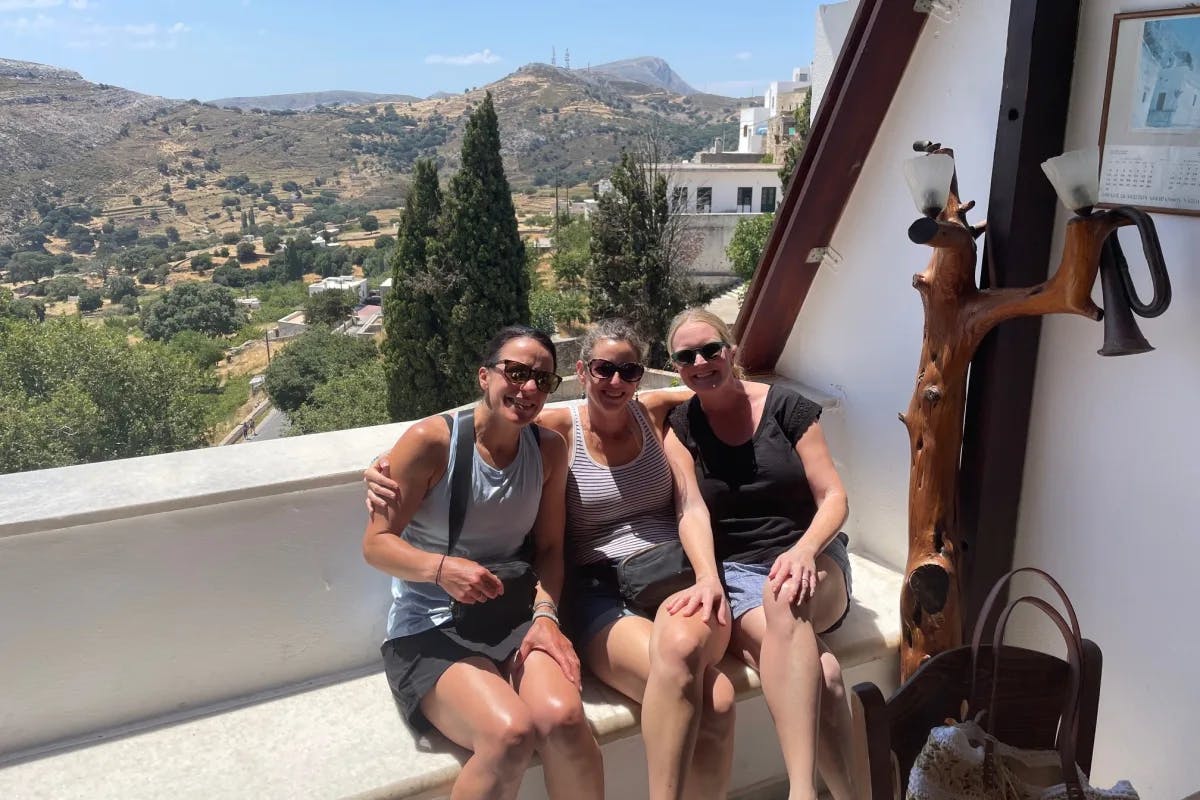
(1075, 176)
(958, 314)
(929, 178)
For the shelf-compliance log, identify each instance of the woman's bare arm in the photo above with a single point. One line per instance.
(695, 533)
(419, 460)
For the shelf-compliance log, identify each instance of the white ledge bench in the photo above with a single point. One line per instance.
(202, 625)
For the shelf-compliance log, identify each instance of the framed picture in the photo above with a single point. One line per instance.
(1150, 130)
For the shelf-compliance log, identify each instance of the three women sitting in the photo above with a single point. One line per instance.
(741, 478)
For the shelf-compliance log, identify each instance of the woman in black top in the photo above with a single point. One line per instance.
(756, 472)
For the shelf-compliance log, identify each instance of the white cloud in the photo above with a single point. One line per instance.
(142, 36)
(23, 26)
(24, 5)
(484, 56)
(79, 5)
(745, 55)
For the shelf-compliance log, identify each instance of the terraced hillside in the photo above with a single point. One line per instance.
(103, 146)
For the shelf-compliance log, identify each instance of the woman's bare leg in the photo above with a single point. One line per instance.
(686, 756)
(476, 708)
(780, 640)
(570, 755)
(836, 759)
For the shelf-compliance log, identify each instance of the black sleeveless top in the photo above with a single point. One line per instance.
(757, 494)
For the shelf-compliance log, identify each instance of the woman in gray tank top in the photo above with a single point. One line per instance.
(500, 700)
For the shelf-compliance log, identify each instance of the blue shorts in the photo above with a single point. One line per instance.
(597, 604)
(744, 582)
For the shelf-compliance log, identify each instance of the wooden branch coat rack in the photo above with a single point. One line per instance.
(957, 316)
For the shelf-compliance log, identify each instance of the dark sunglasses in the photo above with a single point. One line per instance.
(687, 356)
(519, 373)
(602, 368)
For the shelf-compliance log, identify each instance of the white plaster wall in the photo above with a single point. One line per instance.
(1108, 502)
(859, 333)
(725, 181)
(229, 543)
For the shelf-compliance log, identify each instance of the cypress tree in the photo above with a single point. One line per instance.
(480, 252)
(414, 311)
(639, 252)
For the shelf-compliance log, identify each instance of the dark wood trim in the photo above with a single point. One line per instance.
(1021, 214)
(864, 81)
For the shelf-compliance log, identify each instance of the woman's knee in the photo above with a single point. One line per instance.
(509, 737)
(557, 715)
(783, 617)
(678, 646)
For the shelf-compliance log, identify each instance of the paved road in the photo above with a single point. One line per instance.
(272, 426)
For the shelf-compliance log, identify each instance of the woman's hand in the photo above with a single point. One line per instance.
(468, 581)
(545, 635)
(793, 576)
(381, 489)
(706, 597)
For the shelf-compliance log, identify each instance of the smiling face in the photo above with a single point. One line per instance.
(517, 403)
(704, 374)
(614, 392)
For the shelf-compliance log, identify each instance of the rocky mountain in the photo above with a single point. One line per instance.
(306, 101)
(648, 70)
(169, 162)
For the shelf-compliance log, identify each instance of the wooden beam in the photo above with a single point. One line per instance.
(864, 81)
(1021, 213)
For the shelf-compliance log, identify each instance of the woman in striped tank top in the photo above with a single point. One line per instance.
(621, 499)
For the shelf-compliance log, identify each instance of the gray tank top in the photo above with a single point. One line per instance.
(502, 508)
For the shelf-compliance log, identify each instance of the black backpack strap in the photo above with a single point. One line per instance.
(460, 477)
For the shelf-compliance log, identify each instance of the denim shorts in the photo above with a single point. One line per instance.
(744, 582)
(597, 603)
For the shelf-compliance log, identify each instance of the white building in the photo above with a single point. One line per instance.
(345, 283)
(771, 99)
(724, 188)
(752, 131)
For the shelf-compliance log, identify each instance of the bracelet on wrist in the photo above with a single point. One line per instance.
(550, 615)
(546, 604)
(437, 578)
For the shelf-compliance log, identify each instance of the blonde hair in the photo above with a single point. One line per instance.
(697, 314)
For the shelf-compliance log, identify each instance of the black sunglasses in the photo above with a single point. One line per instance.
(687, 356)
(602, 368)
(519, 373)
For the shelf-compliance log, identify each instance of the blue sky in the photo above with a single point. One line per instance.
(206, 49)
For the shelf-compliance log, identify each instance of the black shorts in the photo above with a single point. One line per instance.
(414, 664)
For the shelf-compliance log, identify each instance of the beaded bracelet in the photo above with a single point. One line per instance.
(548, 603)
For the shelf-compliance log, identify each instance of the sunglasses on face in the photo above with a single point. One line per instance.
(602, 368)
(687, 356)
(518, 373)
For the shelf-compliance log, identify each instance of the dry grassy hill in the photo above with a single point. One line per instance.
(104, 146)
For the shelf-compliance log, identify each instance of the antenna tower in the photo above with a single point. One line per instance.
(567, 58)
(553, 57)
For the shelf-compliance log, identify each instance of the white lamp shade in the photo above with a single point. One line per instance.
(1076, 177)
(929, 181)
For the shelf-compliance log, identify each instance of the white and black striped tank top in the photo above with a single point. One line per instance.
(613, 512)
